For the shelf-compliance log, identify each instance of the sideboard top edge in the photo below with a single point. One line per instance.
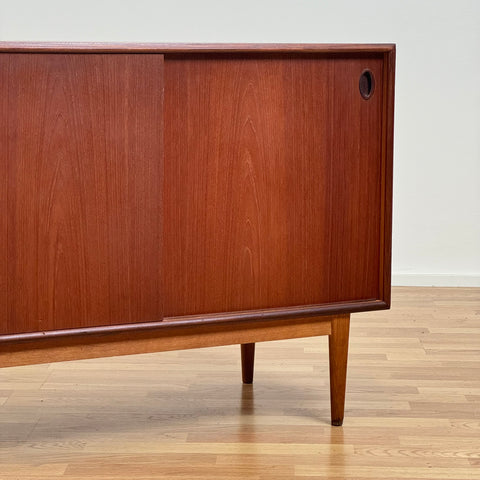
(79, 47)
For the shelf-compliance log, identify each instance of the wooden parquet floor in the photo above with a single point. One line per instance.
(412, 408)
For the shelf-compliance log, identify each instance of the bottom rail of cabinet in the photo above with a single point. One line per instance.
(77, 347)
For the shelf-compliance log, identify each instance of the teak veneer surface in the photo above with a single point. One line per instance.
(151, 183)
(81, 175)
(272, 182)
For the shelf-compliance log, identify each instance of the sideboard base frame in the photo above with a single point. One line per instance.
(245, 333)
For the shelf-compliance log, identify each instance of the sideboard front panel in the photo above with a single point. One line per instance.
(81, 171)
(272, 181)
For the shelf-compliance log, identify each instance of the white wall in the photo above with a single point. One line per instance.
(437, 132)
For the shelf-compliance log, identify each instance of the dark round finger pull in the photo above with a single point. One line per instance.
(366, 84)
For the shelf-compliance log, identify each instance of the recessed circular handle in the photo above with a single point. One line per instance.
(366, 84)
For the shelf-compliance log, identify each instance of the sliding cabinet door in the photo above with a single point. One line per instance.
(80, 190)
(273, 180)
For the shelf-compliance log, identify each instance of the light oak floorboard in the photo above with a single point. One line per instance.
(412, 406)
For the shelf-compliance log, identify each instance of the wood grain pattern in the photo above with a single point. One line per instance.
(81, 155)
(412, 409)
(272, 188)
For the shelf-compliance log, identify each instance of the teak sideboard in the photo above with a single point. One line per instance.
(161, 197)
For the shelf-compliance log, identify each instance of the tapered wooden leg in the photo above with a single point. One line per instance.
(338, 353)
(248, 359)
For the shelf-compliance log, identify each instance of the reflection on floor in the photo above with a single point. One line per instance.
(412, 408)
